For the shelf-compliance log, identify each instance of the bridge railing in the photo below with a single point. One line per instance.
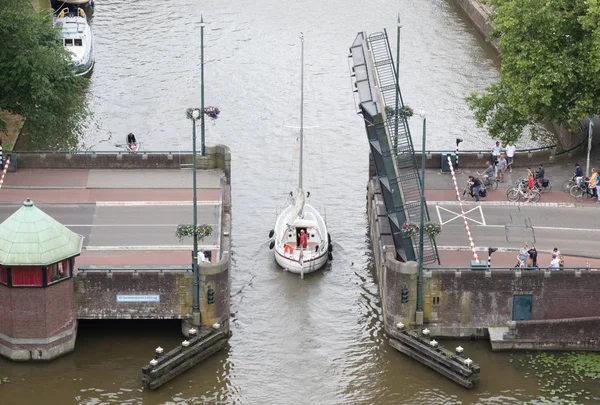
(458, 268)
(541, 148)
(132, 269)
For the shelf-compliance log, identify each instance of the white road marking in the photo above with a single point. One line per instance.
(151, 247)
(143, 203)
(549, 228)
(506, 203)
(122, 225)
(460, 215)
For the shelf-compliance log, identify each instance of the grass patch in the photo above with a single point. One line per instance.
(14, 123)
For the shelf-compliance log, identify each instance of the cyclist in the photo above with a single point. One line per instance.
(474, 186)
(540, 175)
(578, 173)
(489, 172)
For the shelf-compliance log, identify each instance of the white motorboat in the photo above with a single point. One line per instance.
(300, 217)
(77, 38)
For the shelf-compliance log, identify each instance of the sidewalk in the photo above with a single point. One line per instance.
(462, 258)
(89, 186)
(440, 187)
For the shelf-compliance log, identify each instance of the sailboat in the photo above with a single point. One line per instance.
(301, 242)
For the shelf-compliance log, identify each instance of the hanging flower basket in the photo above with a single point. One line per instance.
(410, 229)
(183, 231)
(212, 111)
(407, 110)
(433, 228)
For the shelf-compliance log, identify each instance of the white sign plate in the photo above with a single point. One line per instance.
(138, 298)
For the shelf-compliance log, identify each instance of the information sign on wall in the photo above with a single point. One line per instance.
(138, 298)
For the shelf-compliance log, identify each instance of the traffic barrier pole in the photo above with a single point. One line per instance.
(4, 171)
(462, 210)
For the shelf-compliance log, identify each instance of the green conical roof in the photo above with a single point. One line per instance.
(30, 237)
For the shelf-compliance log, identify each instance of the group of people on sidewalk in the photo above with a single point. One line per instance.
(528, 258)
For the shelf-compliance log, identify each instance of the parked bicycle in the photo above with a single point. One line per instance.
(490, 183)
(520, 193)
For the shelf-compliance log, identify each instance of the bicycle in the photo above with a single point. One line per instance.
(522, 184)
(544, 185)
(519, 193)
(568, 184)
(578, 191)
(489, 182)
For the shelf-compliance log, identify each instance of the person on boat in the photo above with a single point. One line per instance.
(131, 141)
(303, 239)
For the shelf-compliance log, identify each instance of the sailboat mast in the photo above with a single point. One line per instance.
(301, 107)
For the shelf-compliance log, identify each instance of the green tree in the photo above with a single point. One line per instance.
(36, 77)
(550, 66)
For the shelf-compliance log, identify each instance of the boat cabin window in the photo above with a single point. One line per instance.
(78, 42)
(68, 41)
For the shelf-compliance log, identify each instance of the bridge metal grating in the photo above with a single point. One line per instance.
(408, 177)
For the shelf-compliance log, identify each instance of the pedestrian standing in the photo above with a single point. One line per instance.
(500, 168)
(510, 155)
(495, 151)
(555, 253)
(593, 184)
(532, 259)
(555, 263)
(530, 184)
(522, 256)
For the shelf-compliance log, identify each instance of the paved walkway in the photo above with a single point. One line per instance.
(462, 258)
(440, 191)
(118, 198)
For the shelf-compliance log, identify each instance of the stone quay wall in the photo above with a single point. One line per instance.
(469, 301)
(96, 293)
(466, 303)
(553, 334)
(478, 14)
(218, 156)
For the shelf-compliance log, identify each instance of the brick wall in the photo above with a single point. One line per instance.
(559, 334)
(96, 294)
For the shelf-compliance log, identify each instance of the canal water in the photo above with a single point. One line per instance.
(316, 340)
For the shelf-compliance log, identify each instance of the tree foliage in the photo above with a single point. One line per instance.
(36, 77)
(550, 66)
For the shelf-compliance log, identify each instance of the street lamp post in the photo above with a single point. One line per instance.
(196, 303)
(589, 148)
(419, 314)
(397, 117)
(202, 147)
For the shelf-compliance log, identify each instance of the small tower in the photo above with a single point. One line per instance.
(37, 320)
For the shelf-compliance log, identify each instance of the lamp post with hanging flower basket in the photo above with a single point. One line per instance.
(409, 229)
(432, 229)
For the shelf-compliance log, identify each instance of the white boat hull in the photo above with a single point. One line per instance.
(288, 254)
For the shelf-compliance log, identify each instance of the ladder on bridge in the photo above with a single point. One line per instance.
(398, 132)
